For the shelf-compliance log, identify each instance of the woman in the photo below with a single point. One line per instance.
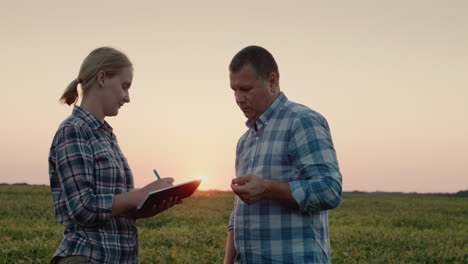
(91, 182)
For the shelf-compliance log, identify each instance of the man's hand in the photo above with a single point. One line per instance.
(250, 188)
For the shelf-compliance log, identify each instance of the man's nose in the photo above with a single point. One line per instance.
(127, 97)
(240, 98)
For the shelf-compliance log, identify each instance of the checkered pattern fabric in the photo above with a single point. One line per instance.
(292, 144)
(86, 169)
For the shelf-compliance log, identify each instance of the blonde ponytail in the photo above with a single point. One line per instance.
(70, 96)
(106, 59)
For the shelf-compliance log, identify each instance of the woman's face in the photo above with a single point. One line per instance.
(115, 91)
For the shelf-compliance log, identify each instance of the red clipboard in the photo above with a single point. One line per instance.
(182, 191)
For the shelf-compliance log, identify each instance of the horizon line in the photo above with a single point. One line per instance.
(220, 190)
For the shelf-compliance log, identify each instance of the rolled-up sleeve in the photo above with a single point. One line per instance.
(314, 157)
(74, 167)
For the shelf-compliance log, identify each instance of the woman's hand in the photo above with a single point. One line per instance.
(158, 208)
(156, 185)
(162, 205)
(125, 203)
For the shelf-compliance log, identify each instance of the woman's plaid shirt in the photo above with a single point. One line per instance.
(86, 169)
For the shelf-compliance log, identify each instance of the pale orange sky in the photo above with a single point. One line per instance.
(389, 76)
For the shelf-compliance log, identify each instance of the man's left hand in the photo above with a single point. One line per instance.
(250, 188)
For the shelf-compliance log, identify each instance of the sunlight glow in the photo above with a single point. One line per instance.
(201, 177)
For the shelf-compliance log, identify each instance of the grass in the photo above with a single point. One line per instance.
(365, 229)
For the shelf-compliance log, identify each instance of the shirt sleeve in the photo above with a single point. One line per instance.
(314, 157)
(231, 217)
(75, 166)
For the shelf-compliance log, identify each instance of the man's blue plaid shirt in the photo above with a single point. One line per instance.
(293, 144)
(86, 169)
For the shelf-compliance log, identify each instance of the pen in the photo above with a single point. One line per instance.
(157, 175)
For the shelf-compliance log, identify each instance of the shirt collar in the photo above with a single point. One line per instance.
(263, 118)
(90, 119)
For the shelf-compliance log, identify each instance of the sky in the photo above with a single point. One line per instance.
(389, 76)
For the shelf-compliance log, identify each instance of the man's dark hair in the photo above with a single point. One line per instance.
(260, 59)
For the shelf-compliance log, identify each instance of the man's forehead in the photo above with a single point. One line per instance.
(246, 72)
(240, 78)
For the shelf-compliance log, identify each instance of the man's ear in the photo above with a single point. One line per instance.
(273, 81)
(100, 78)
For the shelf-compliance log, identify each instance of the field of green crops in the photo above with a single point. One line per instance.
(364, 229)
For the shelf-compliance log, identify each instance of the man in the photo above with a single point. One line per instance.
(287, 171)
